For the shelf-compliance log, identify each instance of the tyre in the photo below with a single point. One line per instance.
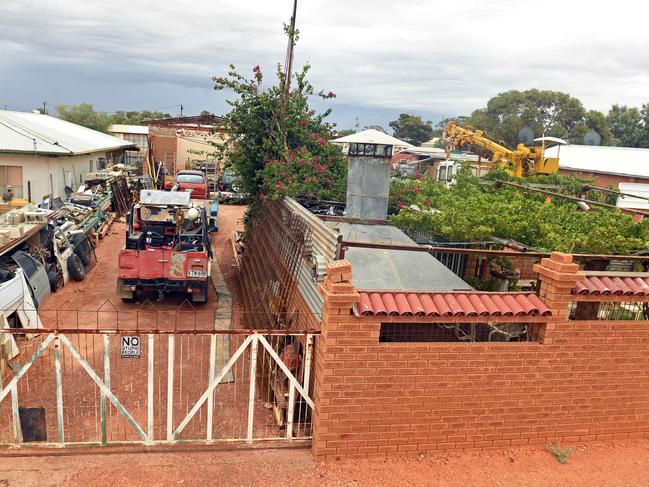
(6, 274)
(56, 280)
(75, 268)
(127, 296)
(82, 248)
(201, 296)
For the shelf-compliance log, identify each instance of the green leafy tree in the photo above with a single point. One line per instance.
(412, 128)
(345, 132)
(137, 118)
(549, 113)
(84, 114)
(376, 127)
(275, 158)
(597, 121)
(629, 125)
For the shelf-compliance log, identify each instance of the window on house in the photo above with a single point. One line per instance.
(12, 175)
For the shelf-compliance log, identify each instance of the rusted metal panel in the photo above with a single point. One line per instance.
(324, 243)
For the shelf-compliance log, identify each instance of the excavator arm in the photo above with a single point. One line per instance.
(522, 161)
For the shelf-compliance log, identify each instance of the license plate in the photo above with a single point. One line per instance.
(196, 273)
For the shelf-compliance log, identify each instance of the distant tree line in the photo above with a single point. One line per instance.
(544, 112)
(85, 114)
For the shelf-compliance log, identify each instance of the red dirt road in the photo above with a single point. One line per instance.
(620, 464)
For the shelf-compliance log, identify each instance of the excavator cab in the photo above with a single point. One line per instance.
(542, 164)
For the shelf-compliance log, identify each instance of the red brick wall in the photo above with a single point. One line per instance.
(582, 381)
(403, 157)
(164, 143)
(604, 180)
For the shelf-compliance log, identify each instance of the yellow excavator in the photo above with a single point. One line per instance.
(520, 162)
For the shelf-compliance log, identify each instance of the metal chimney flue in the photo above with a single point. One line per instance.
(368, 181)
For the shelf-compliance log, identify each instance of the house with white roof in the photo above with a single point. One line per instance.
(372, 136)
(607, 165)
(40, 155)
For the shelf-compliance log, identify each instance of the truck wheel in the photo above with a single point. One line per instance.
(75, 268)
(82, 248)
(56, 280)
(127, 296)
(201, 296)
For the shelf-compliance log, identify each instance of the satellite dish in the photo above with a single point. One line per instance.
(525, 136)
(592, 138)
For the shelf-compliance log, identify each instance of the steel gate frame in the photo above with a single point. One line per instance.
(252, 341)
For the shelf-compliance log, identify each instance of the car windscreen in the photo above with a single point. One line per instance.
(190, 178)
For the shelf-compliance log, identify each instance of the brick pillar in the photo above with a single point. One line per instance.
(339, 295)
(558, 275)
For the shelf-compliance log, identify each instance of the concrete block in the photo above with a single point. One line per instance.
(16, 231)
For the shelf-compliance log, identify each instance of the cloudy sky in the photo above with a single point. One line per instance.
(381, 57)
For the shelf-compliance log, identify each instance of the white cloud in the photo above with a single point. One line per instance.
(420, 55)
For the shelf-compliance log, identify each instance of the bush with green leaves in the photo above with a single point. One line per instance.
(471, 211)
(277, 146)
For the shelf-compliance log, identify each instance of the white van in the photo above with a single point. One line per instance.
(447, 170)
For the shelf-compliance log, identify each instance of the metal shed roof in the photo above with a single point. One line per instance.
(624, 161)
(34, 133)
(394, 270)
(129, 129)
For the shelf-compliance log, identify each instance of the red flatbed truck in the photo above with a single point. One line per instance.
(167, 247)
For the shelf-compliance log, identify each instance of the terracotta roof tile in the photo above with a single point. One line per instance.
(613, 285)
(450, 304)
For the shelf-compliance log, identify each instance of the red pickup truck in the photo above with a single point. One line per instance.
(167, 247)
(188, 180)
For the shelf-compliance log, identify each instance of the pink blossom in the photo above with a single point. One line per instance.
(331, 94)
(280, 185)
(303, 122)
(427, 202)
(402, 203)
(322, 142)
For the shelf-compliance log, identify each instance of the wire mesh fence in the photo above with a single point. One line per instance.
(608, 310)
(458, 332)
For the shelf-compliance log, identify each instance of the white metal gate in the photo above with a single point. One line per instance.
(106, 388)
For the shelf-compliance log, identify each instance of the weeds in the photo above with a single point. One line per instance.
(561, 454)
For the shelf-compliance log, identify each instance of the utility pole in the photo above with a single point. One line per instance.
(288, 68)
(44, 109)
(181, 110)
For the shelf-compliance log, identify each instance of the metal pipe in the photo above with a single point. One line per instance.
(505, 253)
(573, 198)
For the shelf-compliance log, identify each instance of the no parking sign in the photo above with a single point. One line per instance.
(131, 346)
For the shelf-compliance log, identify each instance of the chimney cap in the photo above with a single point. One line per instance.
(371, 150)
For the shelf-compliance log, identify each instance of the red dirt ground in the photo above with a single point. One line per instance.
(619, 464)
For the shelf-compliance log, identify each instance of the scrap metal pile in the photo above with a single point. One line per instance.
(46, 245)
